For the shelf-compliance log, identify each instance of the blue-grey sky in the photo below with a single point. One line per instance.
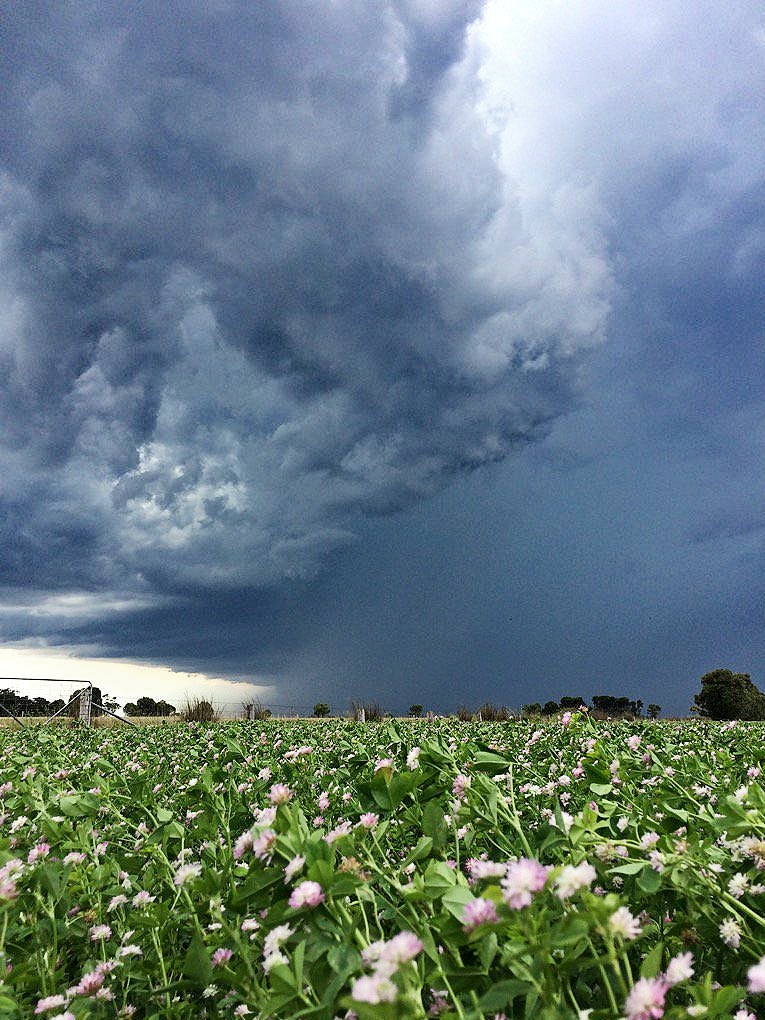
(406, 350)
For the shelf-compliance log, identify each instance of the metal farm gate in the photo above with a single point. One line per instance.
(84, 696)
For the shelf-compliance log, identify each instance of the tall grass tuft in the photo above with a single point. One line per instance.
(489, 712)
(199, 710)
(373, 712)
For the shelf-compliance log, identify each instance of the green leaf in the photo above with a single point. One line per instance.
(421, 851)
(379, 790)
(571, 929)
(434, 825)
(488, 951)
(724, 1000)
(652, 963)
(78, 805)
(50, 877)
(489, 761)
(649, 880)
(196, 963)
(438, 878)
(344, 959)
(297, 962)
(456, 899)
(627, 869)
(401, 784)
(501, 994)
(601, 789)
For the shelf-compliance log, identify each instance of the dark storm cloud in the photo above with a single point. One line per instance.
(245, 293)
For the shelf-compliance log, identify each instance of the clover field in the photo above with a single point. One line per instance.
(403, 869)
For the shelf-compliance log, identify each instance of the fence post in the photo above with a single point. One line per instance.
(85, 706)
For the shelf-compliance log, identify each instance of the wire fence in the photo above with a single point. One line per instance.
(32, 697)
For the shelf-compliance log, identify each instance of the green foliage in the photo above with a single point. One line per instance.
(199, 710)
(571, 703)
(255, 710)
(321, 710)
(148, 707)
(415, 711)
(550, 708)
(373, 712)
(728, 695)
(166, 861)
(654, 710)
(607, 706)
(489, 712)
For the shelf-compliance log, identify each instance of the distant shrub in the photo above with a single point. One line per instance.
(373, 712)
(321, 710)
(415, 711)
(464, 714)
(490, 712)
(254, 710)
(199, 710)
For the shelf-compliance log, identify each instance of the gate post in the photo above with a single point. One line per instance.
(85, 706)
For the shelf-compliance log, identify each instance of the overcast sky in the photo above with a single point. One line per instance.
(406, 350)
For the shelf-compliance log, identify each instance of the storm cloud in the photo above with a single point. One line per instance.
(270, 271)
(261, 273)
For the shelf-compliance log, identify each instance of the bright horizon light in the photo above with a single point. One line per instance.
(121, 680)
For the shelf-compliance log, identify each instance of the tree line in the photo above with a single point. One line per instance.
(724, 695)
(602, 704)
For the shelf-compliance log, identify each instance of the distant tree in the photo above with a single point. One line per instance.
(415, 711)
(728, 695)
(131, 708)
(571, 704)
(654, 711)
(321, 710)
(146, 706)
(638, 707)
(550, 708)
(608, 705)
(533, 708)
(111, 703)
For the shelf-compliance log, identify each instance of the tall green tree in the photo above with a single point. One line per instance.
(728, 695)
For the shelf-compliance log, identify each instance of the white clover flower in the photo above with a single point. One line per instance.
(374, 989)
(680, 968)
(623, 923)
(738, 885)
(573, 878)
(186, 873)
(730, 932)
(293, 867)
